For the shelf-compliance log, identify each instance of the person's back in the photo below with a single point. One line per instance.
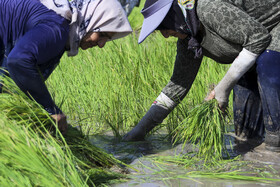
(34, 34)
(18, 16)
(265, 12)
(32, 38)
(223, 18)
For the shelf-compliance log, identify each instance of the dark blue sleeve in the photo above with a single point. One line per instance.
(41, 46)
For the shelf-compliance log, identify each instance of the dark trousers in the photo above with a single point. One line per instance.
(256, 98)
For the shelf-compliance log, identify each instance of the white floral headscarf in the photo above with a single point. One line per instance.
(90, 16)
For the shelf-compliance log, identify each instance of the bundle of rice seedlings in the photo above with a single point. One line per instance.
(93, 162)
(205, 127)
(17, 107)
(27, 159)
(91, 155)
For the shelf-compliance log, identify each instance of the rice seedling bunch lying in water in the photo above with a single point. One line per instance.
(91, 155)
(230, 169)
(93, 162)
(205, 127)
(19, 109)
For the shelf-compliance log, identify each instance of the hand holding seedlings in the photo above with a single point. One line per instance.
(222, 105)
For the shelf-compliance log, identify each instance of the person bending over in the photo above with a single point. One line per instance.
(244, 34)
(34, 35)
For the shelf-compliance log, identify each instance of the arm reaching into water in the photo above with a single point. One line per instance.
(184, 73)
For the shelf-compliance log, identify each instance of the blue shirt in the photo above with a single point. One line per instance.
(32, 38)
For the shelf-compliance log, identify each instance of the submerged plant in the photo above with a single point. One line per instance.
(232, 169)
(205, 127)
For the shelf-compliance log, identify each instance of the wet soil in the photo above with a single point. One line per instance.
(148, 172)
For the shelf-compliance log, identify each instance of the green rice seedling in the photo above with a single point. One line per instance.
(209, 73)
(194, 168)
(135, 18)
(44, 158)
(27, 159)
(18, 108)
(204, 126)
(89, 154)
(118, 84)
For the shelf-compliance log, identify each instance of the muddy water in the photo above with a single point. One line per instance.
(152, 173)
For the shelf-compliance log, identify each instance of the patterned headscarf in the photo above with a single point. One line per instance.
(182, 18)
(90, 16)
(188, 8)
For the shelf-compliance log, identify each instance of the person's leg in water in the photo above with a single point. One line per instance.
(247, 110)
(159, 110)
(268, 69)
(248, 120)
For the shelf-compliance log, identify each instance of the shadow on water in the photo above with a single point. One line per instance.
(151, 173)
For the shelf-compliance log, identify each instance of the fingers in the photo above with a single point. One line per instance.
(61, 122)
(210, 96)
(222, 105)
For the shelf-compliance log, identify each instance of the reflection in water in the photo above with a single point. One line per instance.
(150, 173)
(129, 151)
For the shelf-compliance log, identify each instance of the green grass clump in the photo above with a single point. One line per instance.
(91, 155)
(27, 159)
(33, 149)
(19, 107)
(204, 126)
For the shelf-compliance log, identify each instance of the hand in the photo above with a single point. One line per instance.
(210, 96)
(243, 62)
(61, 122)
(222, 105)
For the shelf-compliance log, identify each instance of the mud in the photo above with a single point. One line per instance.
(151, 173)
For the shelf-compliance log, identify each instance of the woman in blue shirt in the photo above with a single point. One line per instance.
(34, 35)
